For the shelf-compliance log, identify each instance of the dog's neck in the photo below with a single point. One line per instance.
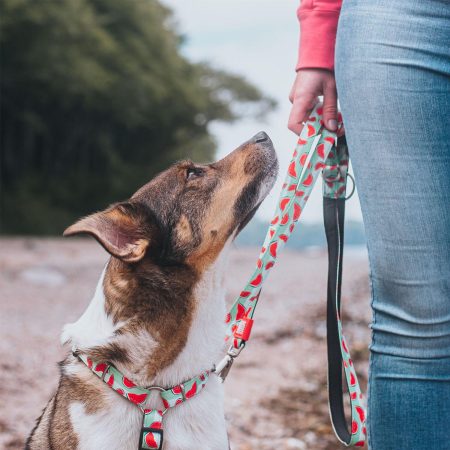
(156, 326)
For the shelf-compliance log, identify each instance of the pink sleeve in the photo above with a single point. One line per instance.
(318, 25)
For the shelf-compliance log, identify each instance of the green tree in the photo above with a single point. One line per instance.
(95, 99)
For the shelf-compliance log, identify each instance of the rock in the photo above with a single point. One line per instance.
(43, 276)
(295, 443)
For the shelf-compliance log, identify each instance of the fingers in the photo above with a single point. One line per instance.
(330, 111)
(292, 93)
(308, 85)
(300, 112)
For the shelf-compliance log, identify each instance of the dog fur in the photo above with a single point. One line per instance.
(158, 310)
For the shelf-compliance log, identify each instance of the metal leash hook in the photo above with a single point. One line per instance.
(224, 366)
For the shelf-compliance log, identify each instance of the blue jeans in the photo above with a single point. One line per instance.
(393, 78)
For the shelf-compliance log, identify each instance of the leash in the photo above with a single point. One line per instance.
(151, 435)
(318, 150)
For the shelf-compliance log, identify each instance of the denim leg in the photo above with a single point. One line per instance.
(393, 78)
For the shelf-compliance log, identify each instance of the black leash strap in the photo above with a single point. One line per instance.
(334, 214)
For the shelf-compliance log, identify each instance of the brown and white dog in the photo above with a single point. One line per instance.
(158, 311)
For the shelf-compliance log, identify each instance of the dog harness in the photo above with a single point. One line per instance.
(318, 150)
(151, 436)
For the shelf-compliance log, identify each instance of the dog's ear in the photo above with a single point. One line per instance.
(125, 230)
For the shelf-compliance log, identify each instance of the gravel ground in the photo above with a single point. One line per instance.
(276, 392)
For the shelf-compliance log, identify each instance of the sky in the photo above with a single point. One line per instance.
(257, 39)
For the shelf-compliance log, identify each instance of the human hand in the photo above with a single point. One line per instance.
(308, 85)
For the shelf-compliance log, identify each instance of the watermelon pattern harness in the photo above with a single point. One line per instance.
(318, 151)
(151, 436)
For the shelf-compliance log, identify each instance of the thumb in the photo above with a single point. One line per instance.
(330, 107)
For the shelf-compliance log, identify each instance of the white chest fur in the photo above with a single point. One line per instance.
(94, 327)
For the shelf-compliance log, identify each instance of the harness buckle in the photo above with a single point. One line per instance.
(143, 445)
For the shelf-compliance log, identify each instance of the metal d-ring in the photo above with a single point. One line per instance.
(160, 389)
(353, 187)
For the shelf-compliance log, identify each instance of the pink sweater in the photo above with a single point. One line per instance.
(318, 25)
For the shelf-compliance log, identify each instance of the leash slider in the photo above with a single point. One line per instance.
(244, 329)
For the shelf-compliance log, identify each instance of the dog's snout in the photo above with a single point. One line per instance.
(260, 137)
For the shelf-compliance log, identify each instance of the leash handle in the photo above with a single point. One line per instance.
(316, 151)
(334, 191)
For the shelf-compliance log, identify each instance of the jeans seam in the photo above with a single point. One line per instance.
(369, 381)
(369, 396)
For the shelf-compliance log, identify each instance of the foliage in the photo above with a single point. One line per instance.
(97, 98)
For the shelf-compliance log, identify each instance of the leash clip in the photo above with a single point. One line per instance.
(223, 368)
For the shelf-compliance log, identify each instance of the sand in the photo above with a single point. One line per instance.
(276, 391)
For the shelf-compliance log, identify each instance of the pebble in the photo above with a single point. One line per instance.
(43, 276)
(295, 443)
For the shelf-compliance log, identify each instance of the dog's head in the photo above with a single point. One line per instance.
(187, 213)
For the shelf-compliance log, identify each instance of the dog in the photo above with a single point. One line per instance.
(157, 315)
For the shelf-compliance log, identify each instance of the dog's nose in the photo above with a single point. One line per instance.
(260, 137)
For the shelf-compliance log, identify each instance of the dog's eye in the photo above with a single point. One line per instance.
(194, 172)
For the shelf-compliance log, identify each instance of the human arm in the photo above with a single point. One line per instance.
(315, 66)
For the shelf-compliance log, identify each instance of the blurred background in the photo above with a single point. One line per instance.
(97, 96)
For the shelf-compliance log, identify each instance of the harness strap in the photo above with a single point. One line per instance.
(151, 433)
(151, 436)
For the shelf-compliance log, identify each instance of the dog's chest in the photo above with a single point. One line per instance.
(114, 427)
(196, 424)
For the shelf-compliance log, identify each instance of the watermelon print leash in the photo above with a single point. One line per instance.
(318, 150)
